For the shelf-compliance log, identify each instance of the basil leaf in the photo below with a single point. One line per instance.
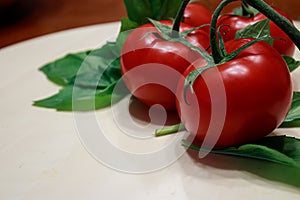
(139, 11)
(100, 78)
(91, 73)
(260, 29)
(293, 117)
(291, 62)
(127, 24)
(85, 99)
(65, 70)
(278, 149)
(289, 146)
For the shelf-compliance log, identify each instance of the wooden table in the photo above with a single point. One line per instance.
(21, 20)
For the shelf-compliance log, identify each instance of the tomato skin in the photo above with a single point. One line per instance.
(231, 24)
(160, 60)
(258, 95)
(197, 15)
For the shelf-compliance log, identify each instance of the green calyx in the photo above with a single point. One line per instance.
(245, 10)
(165, 31)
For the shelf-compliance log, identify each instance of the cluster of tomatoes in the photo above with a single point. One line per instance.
(253, 96)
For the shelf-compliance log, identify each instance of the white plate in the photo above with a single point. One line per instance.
(42, 156)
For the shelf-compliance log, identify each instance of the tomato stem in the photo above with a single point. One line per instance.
(169, 130)
(278, 19)
(214, 44)
(247, 11)
(180, 13)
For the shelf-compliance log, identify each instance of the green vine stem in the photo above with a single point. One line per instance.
(176, 24)
(215, 49)
(168, 130)
(247, 11)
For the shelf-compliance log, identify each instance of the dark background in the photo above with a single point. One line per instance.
(25, 19)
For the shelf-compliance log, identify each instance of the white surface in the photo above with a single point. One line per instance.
(42, 157)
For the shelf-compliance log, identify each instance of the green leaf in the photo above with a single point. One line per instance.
(101, 78)
(291, 62)
(73, 98)
(127, 24)
(278, 149)
(139, 11)
(90, 73)
(288, 146)
(260, 29)
(84, 64)
(293, 117)
(63, 70)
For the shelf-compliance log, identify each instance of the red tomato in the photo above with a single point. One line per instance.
(256, 96)
(152, 66)
(232, 23)
(197, 15)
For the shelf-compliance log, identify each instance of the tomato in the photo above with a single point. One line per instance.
(233, 23)
(197, 15)
(161, 63)
(256, 98)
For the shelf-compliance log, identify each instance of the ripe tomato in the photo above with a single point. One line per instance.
(151, 66)
(282, 43)
(257, 96)
(197, 15)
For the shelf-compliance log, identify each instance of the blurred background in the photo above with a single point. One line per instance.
(24, 19)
